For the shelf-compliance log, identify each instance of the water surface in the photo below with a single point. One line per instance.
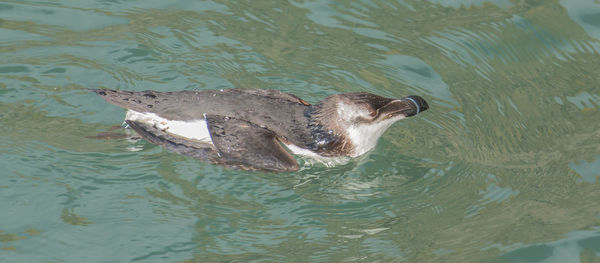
(503, 167)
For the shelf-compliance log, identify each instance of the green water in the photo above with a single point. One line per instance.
(503, 167)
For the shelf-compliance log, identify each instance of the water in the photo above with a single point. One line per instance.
(503, 167)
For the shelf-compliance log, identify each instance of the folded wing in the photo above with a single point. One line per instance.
(248, 144)
(236, 144)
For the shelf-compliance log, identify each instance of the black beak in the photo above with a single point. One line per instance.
(408, 106)
(417, 105)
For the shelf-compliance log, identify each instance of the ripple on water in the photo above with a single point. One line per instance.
(587, 171)
(56, 15)
(502, 165)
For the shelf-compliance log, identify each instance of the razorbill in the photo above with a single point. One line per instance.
(246, 128)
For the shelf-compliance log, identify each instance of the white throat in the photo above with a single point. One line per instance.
(364, 136)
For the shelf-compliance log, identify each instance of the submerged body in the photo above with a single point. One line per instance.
(244, 128)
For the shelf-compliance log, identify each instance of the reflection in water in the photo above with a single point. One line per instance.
(503, 167)
(579, 246)
(588, 171)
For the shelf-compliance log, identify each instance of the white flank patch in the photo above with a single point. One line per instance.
(301, 151)
(364, 136)
(196, 129)
(327, 161)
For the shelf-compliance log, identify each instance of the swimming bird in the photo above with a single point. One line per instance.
(250, 129)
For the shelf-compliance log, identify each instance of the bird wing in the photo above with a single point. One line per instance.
(236, 144)
(248, 144)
